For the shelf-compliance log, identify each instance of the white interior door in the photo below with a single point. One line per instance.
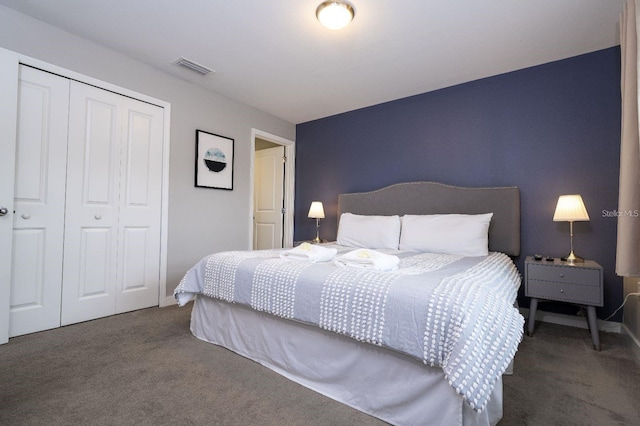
(268, 198)
(41, 158)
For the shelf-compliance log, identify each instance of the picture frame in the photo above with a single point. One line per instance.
(214, 161)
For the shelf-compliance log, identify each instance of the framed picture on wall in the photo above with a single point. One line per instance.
(214, 161)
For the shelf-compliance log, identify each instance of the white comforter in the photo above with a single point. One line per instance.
(448, 311)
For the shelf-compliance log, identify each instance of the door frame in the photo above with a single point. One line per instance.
(289, 184)
(10, 61)
(8, 126)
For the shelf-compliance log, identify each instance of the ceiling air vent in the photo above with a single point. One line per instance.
(193, 66)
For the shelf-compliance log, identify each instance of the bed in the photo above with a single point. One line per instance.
(423, 341)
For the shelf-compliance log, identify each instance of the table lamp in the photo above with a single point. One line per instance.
(316, 211)
(570, 208)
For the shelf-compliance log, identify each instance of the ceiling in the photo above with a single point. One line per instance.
(275, 56)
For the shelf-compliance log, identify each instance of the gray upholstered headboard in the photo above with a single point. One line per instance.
(437, 198)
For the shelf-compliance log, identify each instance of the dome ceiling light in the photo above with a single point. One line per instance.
(335, 14)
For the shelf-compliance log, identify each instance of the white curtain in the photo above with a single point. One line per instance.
(628, 248)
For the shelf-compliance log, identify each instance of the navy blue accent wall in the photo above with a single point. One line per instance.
(552, 129)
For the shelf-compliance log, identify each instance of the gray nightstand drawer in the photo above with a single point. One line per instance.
(565, 292)
(564, 274)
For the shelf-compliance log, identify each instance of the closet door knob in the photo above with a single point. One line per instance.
(98, 216)
(25, 216)
(3, 211)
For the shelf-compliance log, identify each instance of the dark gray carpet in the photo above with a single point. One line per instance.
(145, 368)
(560, 380)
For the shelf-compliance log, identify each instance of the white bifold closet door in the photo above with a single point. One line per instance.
(113, 197)
(39, 196)
(102, 241)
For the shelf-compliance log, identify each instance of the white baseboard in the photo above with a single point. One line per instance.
(572, 320)
(167, 301)
(633, 341)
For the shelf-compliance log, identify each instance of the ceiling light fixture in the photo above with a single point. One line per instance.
(335, 14)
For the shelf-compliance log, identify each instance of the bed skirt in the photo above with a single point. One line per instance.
(377, 381)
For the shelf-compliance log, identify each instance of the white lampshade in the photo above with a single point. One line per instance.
(570, 208)
(316, 211)
(335, 14)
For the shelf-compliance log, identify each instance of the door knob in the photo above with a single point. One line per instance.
(3, 211)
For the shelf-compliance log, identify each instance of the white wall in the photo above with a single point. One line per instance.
(201, 221)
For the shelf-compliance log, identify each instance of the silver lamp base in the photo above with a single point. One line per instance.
(317, 240)
(572, 259)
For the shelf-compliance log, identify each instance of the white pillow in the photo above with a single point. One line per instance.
(373, 232)
(462, 234)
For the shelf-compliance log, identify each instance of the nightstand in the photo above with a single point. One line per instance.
(555, 280)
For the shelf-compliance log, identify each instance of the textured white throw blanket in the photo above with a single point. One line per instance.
(369, 259)
(310, 253)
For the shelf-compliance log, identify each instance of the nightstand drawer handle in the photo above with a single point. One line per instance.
(561, 291)
(561, 275)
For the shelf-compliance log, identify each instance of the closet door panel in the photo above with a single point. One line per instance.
(39, 197)
(140, 212)
(92, 208)
(95, 273)
(28, 278)
(134, 273)
(101, 153)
